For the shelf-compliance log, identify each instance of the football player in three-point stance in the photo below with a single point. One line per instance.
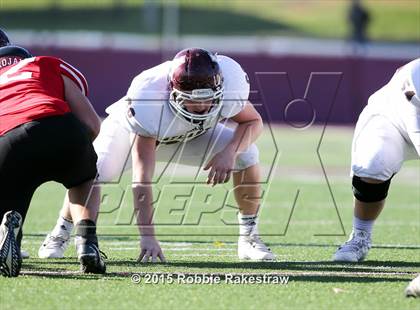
(176, 108)
(47, 126)
(387, 134)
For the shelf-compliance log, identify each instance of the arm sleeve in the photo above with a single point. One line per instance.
(144, 110)
(75, 75)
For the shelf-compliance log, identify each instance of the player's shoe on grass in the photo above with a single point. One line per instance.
(355, 249)
(253, 248)
(10, 257)
(54, 246)
(89, 256)
(413, 289)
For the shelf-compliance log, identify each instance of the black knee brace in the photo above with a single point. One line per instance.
(368, 192)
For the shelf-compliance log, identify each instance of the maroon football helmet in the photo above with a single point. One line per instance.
(196, 76)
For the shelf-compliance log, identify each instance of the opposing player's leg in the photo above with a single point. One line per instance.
(57, 241)
(75, 168)
(59, 150)
(113, 148)
(86, 241)
(17, 185)
(379, 151)
(15, 197)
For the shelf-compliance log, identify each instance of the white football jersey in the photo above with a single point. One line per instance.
(388, 129)
(146, 111)
(392, 102)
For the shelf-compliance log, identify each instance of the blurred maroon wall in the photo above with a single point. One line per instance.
(339, 87)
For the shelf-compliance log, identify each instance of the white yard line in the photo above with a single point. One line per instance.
(180, 249)
(184, 246)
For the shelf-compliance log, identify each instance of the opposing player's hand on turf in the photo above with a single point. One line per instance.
(150, 250)
(221, 166)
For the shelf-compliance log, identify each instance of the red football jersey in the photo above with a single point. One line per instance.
(34, 88)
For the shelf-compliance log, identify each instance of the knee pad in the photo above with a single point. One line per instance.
(248, 158)
(368, 192)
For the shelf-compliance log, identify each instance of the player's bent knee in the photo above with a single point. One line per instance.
(369, 192)
(107, 172)
(248, 158)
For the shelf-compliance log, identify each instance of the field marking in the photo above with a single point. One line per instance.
(106, 240)
(202, 255)
(181, 249)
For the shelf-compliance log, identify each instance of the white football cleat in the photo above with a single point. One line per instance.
(413, 289)
(253, 248)
(54, 246)
(355, 249)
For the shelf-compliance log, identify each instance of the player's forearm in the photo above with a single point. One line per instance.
(81, 107)
(245, 134)
(143, 197)
(143, 156)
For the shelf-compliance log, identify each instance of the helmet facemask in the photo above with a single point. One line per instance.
(178, 97)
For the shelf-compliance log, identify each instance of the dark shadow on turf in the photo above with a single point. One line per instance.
(309, 266)
(298, 271)
(36, 268)
(344, 279)
(74, 261)
(63, 261)
(63, 275)
(126, 276)
(67, 273)
(318, 266)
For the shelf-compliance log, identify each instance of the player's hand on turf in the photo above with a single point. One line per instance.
(150, 250)
(221, 167)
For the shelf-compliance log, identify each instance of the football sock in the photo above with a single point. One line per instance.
(365, 225)
(61, 226)
(247, 224)
(87, 229)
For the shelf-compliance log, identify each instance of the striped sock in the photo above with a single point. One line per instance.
(247, 224)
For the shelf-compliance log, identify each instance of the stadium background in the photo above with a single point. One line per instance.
(112, 41)
(305, 165)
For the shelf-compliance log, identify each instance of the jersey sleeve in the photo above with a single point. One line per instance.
(147, 95)
(135, 111)
(236, 87)
(125, 110)
(75, 75)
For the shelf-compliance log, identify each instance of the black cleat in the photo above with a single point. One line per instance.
(10, 256)
(89, 255)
